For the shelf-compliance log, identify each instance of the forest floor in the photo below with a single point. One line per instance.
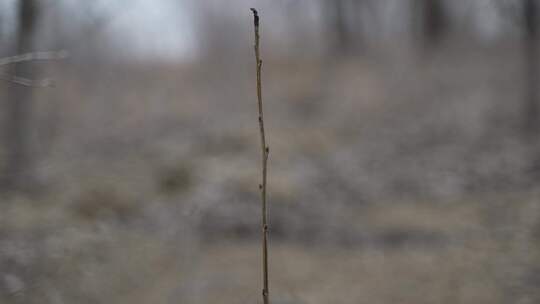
(391, 180)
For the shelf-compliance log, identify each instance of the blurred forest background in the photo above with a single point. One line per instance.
(404, 164)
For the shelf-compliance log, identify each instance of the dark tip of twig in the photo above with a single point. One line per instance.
(255, 16)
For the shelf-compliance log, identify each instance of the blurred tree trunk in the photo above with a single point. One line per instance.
(530, 27)
(18, 105)
(434, 21)
(336, 19)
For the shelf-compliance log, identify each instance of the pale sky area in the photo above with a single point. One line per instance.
(148, 28)
(164, 29)
(155, 29)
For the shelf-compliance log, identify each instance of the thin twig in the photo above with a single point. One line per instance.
(265, 151)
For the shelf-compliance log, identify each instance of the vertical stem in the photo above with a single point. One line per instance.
(265, 151)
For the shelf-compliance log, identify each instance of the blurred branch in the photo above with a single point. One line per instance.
(33, 56)
(42, 83)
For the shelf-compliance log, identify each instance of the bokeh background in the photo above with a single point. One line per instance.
(404, 152)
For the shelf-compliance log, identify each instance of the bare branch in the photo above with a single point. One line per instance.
(42, 83)
(265, 151)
